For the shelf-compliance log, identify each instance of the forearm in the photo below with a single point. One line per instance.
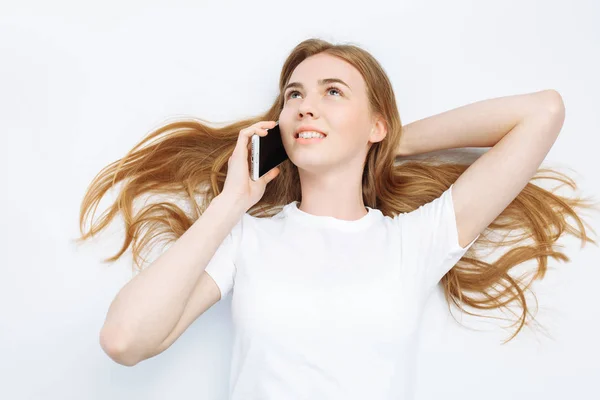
(145, 311)
(479, 124)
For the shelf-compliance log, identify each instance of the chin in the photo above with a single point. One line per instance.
(311, 166)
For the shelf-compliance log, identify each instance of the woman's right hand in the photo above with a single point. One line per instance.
(238, 184)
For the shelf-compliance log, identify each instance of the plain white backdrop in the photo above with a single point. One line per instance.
(80, 84)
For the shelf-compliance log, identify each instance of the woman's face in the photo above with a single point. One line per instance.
(340, 110)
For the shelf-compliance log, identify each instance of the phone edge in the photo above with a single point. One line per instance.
(254, 157)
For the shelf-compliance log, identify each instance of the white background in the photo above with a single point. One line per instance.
(81, 84)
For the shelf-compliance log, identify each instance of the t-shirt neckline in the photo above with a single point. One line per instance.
(323, 221)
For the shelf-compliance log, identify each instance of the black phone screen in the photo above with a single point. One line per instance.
(271, 152)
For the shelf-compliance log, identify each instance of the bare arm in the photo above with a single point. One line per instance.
(479, 124)
(158, 304)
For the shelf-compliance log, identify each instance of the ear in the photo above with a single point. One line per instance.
(378, 131)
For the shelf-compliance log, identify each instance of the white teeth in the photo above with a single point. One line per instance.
(310, 135)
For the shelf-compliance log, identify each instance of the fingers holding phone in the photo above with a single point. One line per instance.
(238, 182)
(268, 152)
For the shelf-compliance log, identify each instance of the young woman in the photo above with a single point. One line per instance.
(331, 255)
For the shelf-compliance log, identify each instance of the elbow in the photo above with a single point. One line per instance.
(116, 348)
(550, 108)
(553, 102)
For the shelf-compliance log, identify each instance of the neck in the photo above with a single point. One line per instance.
(337, 194)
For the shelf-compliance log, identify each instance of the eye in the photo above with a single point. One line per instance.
(328, 90)
(334, 88)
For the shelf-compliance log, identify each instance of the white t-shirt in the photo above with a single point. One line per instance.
(325, 308)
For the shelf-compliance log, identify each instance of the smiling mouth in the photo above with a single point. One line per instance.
(297, 136)
(309, 140)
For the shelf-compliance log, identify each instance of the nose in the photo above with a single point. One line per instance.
(306, 107)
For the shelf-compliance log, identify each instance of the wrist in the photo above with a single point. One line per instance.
(230, 204)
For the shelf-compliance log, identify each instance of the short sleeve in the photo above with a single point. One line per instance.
(221, 267)
(429, 240)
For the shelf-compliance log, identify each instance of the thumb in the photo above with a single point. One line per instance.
(272, 174)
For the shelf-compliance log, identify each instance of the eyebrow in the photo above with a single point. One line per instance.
(320, 81)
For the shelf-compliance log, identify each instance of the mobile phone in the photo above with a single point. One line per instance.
(267, 152)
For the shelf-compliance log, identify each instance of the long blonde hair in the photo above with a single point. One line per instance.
(187, 158)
